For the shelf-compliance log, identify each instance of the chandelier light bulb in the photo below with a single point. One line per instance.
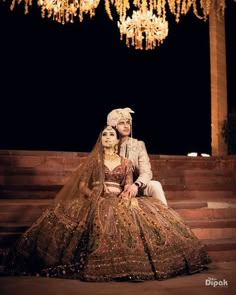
(144, 30)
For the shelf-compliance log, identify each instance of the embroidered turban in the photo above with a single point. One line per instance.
(116, 115)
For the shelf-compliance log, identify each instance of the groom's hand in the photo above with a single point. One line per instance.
(132, 190)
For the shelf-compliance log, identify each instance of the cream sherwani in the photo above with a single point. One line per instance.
(135, 151)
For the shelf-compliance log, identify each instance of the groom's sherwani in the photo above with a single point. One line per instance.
(136, 152)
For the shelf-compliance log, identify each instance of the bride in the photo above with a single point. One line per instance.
(96, 231)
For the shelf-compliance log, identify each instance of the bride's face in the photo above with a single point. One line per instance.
(109, 137)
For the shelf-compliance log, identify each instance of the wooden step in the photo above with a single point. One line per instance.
(160, 162)
(219, 244)
(188, 204)
(34, 172)
(212, 179)
(215, 233)
(29, 191)
(213, 228)
(40, 159)
(202, 204)
(200, 187)
(212, 223)
(14, 227)
(21, 204)
(33, 180)
(194, 194)
(39, 187)
(11, 211)
(208, 213)
(30, 215)
(221, 249)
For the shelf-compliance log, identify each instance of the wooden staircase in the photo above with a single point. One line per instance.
(202, 190)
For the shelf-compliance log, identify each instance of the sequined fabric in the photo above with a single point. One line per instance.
(112, 238)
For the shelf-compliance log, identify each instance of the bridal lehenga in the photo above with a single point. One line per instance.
(106, 236)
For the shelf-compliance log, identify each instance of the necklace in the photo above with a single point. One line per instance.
(111, 157)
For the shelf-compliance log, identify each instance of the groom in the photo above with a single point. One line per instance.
(136, 152)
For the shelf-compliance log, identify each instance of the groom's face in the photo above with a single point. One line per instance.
(124, 127)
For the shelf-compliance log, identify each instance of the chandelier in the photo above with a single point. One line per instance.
(60, 11)
(143, 30)
(200, 8)
(64, 11)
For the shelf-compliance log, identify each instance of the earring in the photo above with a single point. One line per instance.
(116, 148)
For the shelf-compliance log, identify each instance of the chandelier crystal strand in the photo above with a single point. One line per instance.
(141, 22)
(108, 9)
(144, 30)
(62, 11)
(205, 7)
(27, 4)
(200, 8)
(87, 7)
(122, 6)
(186, 5)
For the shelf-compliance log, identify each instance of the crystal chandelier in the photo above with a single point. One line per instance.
(65, 11)
(58, 10)
(144, 30)
(62, 11)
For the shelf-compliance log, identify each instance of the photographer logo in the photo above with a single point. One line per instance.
(212, 282)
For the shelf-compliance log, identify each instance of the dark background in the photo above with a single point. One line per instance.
(58, 82)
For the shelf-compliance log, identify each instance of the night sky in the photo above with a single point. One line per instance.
(61, 81)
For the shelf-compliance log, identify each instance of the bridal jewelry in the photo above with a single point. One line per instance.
(111, 157)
